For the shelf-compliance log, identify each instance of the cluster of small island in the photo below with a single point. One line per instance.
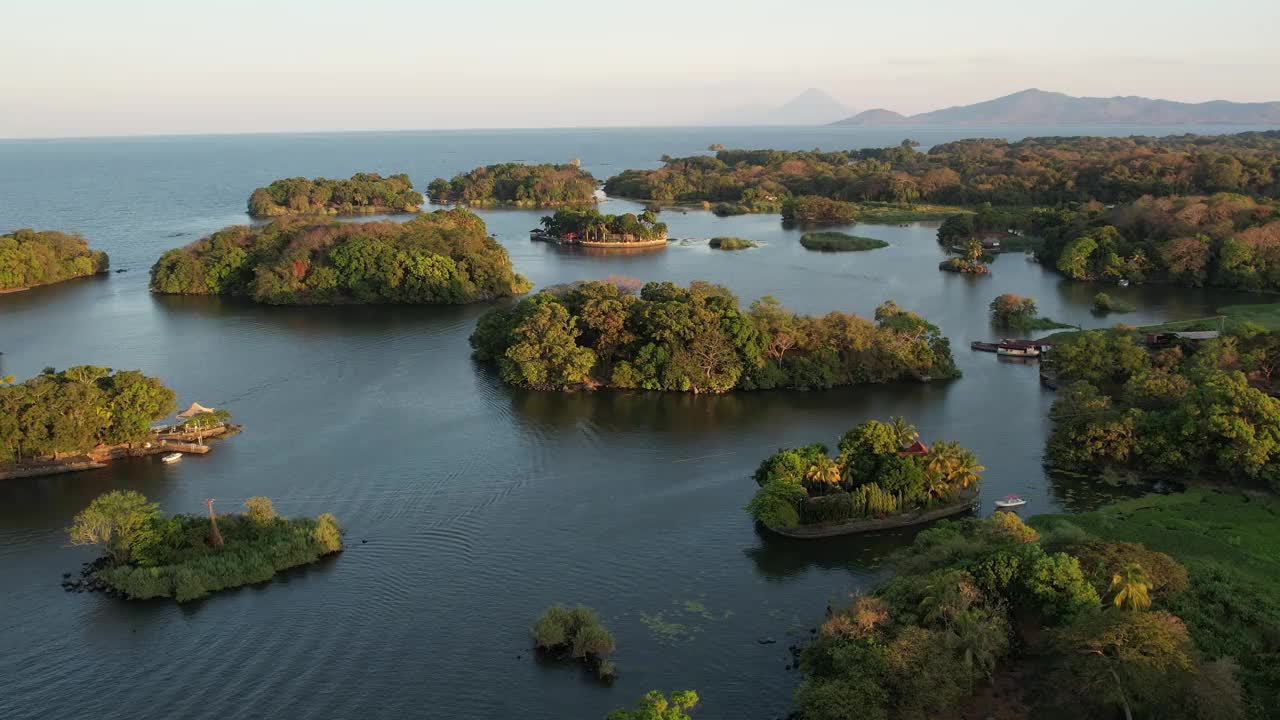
(1109, 610)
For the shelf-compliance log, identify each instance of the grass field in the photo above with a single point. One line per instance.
(1229, 317)
(1230, 544)
(889, 213)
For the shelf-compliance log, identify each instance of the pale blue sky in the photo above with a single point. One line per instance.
(81, 67)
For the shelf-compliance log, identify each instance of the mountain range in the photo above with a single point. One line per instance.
(1038, 107)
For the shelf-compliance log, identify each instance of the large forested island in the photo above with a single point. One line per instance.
(518, 185)
(1163, 607)
(1198, 410)
(186, 557)
(589, 227)
(29, 258)
(442, 257)
(697, 339)
(363, 194)
(1225, 240)
(883, 477)
(80, 413)
(1034, 171)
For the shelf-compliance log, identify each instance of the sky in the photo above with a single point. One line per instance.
(139, 67)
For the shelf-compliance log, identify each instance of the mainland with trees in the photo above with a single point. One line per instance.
(698, 339)
(1141, 610)
(29, 258)
(444, 257)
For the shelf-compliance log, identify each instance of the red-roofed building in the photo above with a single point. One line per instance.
(915, 448)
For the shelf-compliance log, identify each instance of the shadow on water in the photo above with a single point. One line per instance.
(864, 554)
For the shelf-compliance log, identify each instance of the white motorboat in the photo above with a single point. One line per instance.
(1011, 501)
(171, 458)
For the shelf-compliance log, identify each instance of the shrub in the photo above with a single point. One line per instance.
(777, 504)
(260, 509)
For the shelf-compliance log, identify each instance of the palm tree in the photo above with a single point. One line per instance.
(905, 431)
(1131, 587)
(824, 471)
(952, 464)
(979, 644)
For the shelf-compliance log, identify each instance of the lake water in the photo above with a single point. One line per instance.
(470, 506)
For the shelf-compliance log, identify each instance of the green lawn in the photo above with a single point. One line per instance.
(1229, 317)
(889, 213)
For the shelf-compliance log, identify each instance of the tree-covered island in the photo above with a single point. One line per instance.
(186, 557)
(29, 258)
(589, 227)
(442, 257)
(518, 185)
(363, 194)
(1194, 410)
(698, 339)
(883, 477)
(78, 418)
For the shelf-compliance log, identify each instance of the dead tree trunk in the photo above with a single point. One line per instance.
(215, 537)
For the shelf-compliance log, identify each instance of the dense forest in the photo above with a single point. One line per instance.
(698, 339)
(529, 186)
(441, 257)
(996, 618)
(77, 409)
(364, 193)
(186, 557)
(880, 470)
(589, 224)
(1194, 410)
(29, 258)
(1033, 171)
(1224, 240)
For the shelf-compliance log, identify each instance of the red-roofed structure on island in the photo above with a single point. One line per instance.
(916, 448)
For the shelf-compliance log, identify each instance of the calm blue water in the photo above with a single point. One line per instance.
(470, 506)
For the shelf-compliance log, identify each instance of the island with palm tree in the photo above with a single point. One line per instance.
(588, 227)
(882, 477)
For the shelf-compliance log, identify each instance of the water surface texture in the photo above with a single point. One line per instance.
(469, 505)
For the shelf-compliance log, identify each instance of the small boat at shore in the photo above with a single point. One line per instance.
(1011, 501)
(171, 458)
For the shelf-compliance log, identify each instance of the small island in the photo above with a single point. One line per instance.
(732, 243)
(30, 258)
(882, 478)
(970, 264)
(588, 227)
(517, 185)
(1014, 312)
(444, 257)
(363, 194)
(186, 557)
(839, 242)
(84, 416)
(595, 335)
